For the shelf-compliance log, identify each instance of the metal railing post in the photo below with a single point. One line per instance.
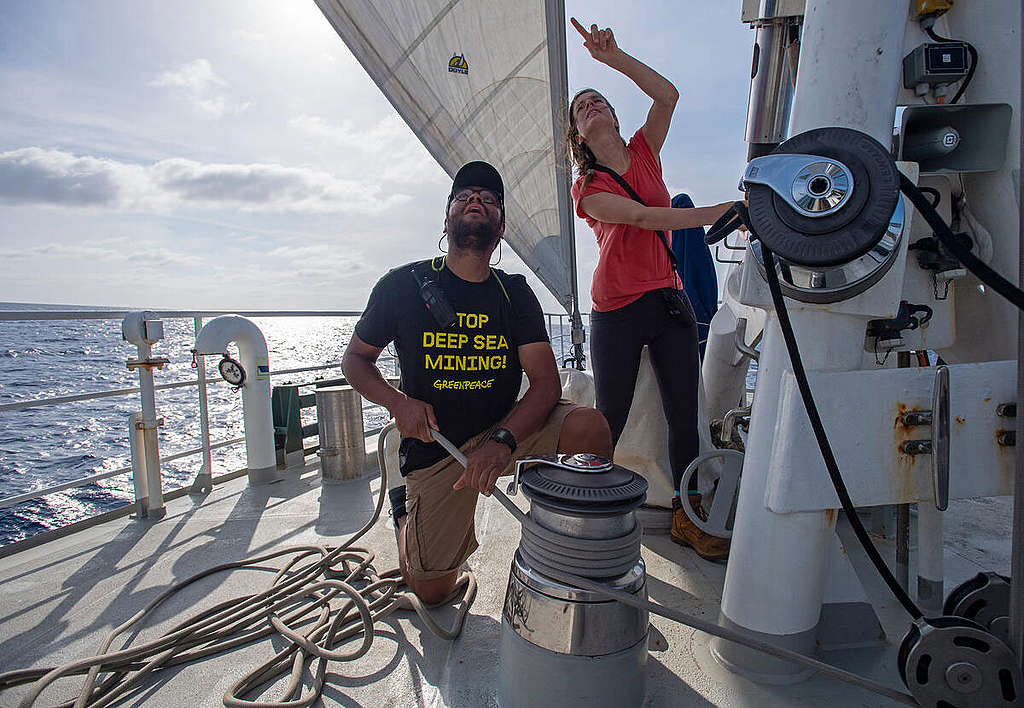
(150, 426)
(204, 479)
(139, 480)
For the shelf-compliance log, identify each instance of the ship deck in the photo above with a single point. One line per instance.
(62, 598)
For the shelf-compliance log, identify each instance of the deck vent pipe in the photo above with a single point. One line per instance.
(214, 338)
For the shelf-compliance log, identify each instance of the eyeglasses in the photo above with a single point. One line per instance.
(486, 196)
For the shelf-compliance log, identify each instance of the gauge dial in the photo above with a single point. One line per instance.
(232, 371)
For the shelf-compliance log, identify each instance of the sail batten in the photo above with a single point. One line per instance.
(481, 79)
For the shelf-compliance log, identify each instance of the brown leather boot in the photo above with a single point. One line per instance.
(685, 533)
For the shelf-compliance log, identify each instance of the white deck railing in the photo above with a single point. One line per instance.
(559, 341)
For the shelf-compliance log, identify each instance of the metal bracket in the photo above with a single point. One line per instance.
(812, 185)
(938, 445)
(718, 256)
(718, 519)
(725, 244)
(513, 486)
(142, 425)
(577, 462)
(742, 347)
(732, 418)
(154, 363)
(940, 438)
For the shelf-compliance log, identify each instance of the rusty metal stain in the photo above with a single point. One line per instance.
(1001, 446)
(901, 410)
(904, 486)
(830, 517)
(960, 419)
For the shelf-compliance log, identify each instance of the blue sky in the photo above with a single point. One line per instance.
(233, 155)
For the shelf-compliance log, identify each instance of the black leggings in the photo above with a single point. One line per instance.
(617, 338)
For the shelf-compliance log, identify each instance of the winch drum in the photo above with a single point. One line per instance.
(563, 645)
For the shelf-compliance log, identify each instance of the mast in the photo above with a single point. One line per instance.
(554, 11)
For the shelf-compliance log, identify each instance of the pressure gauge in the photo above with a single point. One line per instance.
(232, 371)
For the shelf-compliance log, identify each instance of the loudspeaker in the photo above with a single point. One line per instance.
(954, 138)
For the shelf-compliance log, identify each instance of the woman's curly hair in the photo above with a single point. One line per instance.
(579, 154)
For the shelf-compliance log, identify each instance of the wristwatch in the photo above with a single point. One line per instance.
(503, 436)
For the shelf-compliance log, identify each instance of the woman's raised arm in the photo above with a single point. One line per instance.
(602, 47)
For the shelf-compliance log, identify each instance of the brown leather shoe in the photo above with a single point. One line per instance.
(685, 533)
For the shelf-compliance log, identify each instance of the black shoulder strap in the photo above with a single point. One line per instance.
(636, 197)
(426, 271)
(429, 271)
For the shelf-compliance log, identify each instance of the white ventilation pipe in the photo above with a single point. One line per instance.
(214, 338)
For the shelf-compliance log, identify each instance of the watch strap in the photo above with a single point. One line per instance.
(505, 437)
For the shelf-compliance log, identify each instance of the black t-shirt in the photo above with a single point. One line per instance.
(470, 372)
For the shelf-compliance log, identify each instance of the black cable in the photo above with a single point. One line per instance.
(970, 70)
(822, 437)
(974, 264)
(935, 193)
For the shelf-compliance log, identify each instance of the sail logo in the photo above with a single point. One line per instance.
(457, 64)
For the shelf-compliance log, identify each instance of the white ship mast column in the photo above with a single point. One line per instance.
(848, 76)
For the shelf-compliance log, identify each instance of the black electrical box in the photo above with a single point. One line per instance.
(935, 64)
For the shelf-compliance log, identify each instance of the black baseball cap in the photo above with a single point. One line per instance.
(479, 174)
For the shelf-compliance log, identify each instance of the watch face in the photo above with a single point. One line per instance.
(232, 371)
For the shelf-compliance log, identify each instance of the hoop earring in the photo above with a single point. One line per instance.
(499, 254)
(439, 241)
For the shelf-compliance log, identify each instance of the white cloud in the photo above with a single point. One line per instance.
(196, 83)
(263, 187)
(116, 251)
(375, 138)
(37, 176)
(400, 155)
(196, 76)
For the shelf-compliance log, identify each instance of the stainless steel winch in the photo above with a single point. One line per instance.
(563, 645)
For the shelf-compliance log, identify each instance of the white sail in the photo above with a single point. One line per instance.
(481, 79)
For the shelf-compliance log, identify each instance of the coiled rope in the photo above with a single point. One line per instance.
(322, 598)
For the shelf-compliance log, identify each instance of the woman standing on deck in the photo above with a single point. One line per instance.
(636, 294)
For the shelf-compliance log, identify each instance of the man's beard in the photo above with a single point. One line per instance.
(474, 236)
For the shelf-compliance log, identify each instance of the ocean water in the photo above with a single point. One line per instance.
(47, 445)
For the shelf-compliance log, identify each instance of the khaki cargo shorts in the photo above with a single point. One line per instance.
(440, 534)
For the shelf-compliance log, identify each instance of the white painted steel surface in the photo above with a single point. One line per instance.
(214, 338)
(775, 579)
(850, 64)
(860, 410)
(775, 582)
(205, 475)
(724, 368)
(135, 445)
(150, 439)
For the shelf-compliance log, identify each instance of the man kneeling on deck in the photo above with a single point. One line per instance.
(464, 333)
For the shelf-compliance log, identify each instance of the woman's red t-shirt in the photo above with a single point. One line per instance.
(632, 260)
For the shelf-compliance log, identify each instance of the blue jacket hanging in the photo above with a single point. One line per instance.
(697, 271)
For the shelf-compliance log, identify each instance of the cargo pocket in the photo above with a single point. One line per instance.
(413, 556)
(437, 544)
